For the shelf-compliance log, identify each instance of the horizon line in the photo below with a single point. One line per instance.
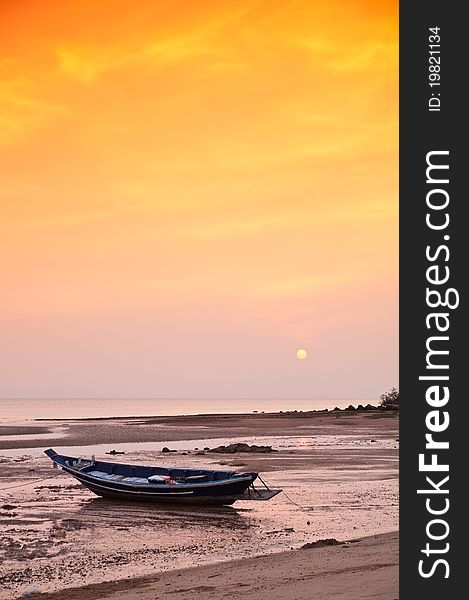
(184, 397)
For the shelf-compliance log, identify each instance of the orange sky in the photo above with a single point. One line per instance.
(191, 191)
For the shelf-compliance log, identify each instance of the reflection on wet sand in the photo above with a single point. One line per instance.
(130, 514)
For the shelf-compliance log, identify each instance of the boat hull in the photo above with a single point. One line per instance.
(225, 495)
(163, 499)
(218, 491)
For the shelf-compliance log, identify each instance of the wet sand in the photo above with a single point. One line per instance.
(357, 570)
(86, 432)
(340, 475)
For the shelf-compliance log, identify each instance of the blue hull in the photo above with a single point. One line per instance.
(179, 486)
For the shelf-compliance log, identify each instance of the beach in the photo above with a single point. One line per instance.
(338, 471)
(362, 569)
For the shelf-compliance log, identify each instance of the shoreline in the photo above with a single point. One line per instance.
(353, 570)
(53, 409)
(279, 413)
(115, 430)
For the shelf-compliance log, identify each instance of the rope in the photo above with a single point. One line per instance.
(295, 503)
(11, 487)
(286, 496)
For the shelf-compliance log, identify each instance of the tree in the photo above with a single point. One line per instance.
(390, 400)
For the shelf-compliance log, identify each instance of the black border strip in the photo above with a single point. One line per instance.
(423, 131)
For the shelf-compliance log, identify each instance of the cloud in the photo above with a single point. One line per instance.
(364, 57)
(22, 105)
(88, 64)
(79, 67)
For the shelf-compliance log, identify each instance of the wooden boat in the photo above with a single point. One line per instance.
(159, 484)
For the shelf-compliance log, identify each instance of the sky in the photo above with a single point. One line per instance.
(193, 191)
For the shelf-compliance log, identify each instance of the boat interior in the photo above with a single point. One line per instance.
(135, 474)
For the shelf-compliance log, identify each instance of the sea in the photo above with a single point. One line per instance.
(13, 409)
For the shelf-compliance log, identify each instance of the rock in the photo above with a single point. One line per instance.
(321, 544)
(113, 452)
(8, 507)
(350, 407)
(242, 447)
(336, 408)
(165, 449)
(206, 448)
(360, 407)
(30, 591)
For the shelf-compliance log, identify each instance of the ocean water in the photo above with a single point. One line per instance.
(81, 408)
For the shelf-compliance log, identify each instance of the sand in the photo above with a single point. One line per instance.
(358, 570)
(339, 473)
(86, 432)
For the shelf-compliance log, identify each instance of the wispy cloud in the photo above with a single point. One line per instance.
(328, 53)
(88, 64)
(23, 104)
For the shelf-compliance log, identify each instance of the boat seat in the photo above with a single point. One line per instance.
(196, 478)
(103, 475)
(96, 473)
(135, 480)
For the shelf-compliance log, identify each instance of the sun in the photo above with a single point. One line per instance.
(301, 354)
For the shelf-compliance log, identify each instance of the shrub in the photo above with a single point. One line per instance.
(390, 400)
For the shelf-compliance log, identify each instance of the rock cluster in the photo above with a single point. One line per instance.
(241, 447)
(321, 543)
